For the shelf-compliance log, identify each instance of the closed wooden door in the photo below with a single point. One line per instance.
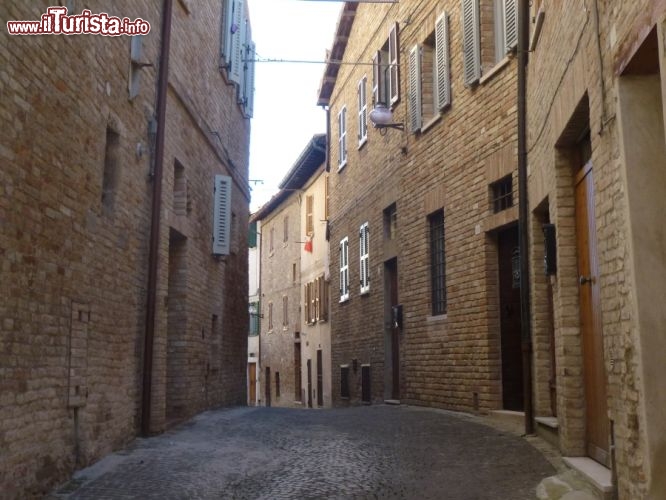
(594, 373)
(267, 388)
(309, 364)
(320, 378)
(252, 369)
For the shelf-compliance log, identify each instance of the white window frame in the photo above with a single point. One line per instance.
(364, 257)
(342, 137)
(362, 111)
(344, 269)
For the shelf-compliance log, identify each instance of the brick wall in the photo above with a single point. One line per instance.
(72, 262)
(448, 361)
(578, 57)
(278, 280)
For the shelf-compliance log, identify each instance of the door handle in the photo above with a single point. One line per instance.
(585, 279)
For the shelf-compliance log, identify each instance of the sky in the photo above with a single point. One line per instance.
(286, 115)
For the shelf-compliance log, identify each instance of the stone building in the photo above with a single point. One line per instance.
(116, 177)
(597, 184)
(424, 213)
(294, 342)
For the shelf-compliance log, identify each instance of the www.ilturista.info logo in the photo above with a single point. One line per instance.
(56, 22)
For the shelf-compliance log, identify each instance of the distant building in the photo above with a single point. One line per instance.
(294, 346)
(254, 310)
(83, 286)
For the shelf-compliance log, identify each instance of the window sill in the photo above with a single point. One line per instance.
(430, 123)
(364, 292)
(346, 299)
(342, 165)
(496, 69)
(437, 319)
(362, 142)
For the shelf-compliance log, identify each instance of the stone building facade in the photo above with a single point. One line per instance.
(597, 175)
(423, 220)
(293, 342)
(76, 187)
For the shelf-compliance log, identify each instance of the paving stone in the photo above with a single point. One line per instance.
(277, 453)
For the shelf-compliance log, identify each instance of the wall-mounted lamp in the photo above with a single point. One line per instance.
(382, 118)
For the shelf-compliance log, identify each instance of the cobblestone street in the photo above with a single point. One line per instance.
(362, 452)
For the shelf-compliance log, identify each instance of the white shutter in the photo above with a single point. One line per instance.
(376, 78)
(342, 137)
(222, 215)
(226, 36)
(394, 62)
(364, 256)
(344, 269)
(510, 24)
(442, 61)
(237, 30)
(362, 112)
(415, 88)
(471, 42)
(249, 80)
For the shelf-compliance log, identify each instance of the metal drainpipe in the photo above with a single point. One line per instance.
(151, 296)
(328, 139)
(523, 213)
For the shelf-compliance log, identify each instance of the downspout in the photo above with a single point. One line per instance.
(328, 139)
(151, 296)
(523, 213)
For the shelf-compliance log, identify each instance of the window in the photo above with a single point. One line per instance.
(490, 31)
(344, 381)
(364, 257)
(293, 272)
(285, 224)
(344, 269)
(437, 263)
(271, 240)
(285, 311)
(254, 318)
(309, 215)
(501, 193)
(323, 292)
(390, 222)
(386, 72)
(326, 203)
(270, 316)
(342, 137)
(316, 300)
(181, 202)
(237, 52)
(362, 112)
(110, 176)
(222, 216)
(429, 78)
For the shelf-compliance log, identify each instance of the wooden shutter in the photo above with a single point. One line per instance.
(394, 62)
(309, 215)
(415, 88)
(222, 215)
(237, 30)
(510, 24)
(471, 42)
(442, 61)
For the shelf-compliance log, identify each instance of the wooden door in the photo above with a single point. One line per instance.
(510, 324)
(320, 378)
(297, 371)
(391, 273)
(252, 369)
(594, 373)
(309, 383)
(267, 388)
